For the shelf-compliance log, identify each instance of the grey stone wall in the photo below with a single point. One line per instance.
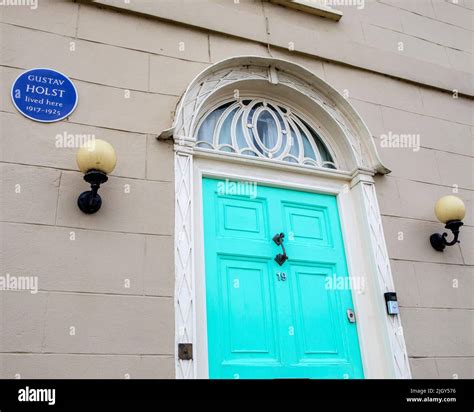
(130, 70)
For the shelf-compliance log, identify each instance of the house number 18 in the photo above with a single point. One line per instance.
(281, 276)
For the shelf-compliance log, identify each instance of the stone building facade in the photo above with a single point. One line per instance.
(108, 302)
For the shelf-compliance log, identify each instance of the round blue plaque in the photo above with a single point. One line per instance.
(44, 95)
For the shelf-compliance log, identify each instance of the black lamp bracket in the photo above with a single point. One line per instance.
(90, 201)
(439, 242)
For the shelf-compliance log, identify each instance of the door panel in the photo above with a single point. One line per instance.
(315, 318)
(244, 218)
(307, 224)
(247, 319)
(271, 321)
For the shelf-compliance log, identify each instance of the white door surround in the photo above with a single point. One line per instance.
(381, 336)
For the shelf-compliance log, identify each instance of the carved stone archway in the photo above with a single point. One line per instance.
(348, 132)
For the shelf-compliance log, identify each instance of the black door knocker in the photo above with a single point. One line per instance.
(280, 258)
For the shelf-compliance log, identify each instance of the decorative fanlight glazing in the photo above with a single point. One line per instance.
(260, 128)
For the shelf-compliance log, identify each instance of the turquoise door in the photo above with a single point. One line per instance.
(270, 321)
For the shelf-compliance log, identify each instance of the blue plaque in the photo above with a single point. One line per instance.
(44, 95)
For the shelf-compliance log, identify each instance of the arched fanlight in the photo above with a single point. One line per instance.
(265, 129)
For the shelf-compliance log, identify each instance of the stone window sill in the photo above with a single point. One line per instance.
(312, 7)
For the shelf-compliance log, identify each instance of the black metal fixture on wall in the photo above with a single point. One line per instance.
(391, 303)
(96, 159)
(449, 210)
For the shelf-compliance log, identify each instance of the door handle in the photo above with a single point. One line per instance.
(280, 258)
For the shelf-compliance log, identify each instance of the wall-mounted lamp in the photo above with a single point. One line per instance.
(95, 159)
(451, 211)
